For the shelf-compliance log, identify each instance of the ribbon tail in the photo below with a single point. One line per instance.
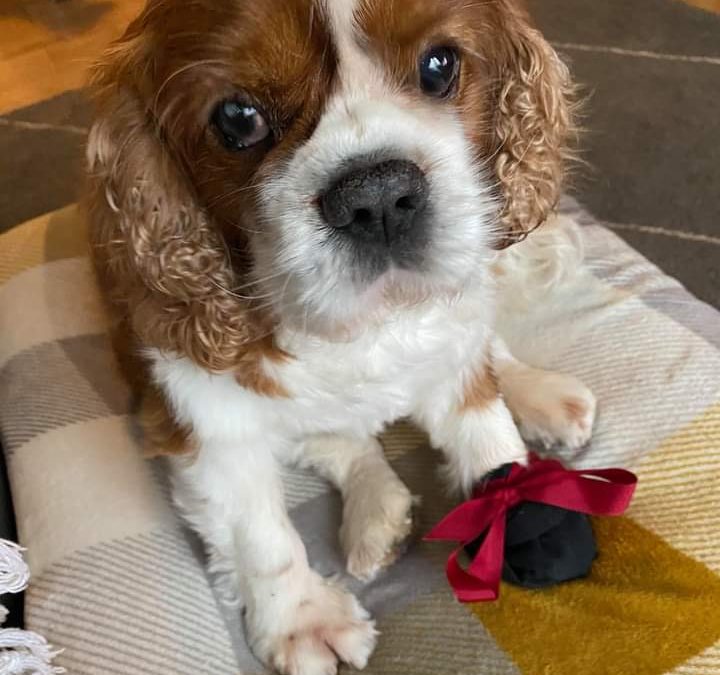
(481, 581)
(465, 522)
(605, 492)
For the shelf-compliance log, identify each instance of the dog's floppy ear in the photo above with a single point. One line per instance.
(532, 125)
(160, 260)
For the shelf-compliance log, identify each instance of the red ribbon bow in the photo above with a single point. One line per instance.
(600, 492)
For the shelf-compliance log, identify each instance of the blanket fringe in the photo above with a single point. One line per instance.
(22, 652)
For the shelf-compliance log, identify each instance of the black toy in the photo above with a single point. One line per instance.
(530, 526)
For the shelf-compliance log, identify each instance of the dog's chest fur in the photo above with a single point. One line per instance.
(354, 386)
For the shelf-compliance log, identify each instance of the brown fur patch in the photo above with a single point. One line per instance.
(481, 389)
(251, 373)
(162, 435)
(132, 368)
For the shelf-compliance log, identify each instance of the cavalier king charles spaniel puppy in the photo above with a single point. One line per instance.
(298, 210)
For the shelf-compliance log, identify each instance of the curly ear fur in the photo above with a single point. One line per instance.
(533, 122)
(161, 262)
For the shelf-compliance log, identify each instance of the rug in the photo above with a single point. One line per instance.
(651, 70)
(120, 584)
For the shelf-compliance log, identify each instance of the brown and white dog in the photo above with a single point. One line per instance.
(297, 208)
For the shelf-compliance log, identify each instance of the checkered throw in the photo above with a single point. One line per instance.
(120, 584)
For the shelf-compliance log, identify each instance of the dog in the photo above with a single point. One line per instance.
(299, 211)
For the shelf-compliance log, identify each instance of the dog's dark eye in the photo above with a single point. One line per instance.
(239, 124)
(439, 68)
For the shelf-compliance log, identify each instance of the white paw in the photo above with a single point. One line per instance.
(550, 408)
(377, 519)
(312, 631)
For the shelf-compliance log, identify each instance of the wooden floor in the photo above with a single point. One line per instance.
(709, 5)
(47, 45)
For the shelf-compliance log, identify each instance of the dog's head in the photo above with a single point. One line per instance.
(321, 157)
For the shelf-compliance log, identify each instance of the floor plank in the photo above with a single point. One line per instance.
(48, 45)
(709, 5)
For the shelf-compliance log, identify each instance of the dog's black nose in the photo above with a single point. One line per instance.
(377, 203)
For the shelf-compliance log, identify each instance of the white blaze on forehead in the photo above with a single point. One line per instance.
(357, 73)
(341, 18)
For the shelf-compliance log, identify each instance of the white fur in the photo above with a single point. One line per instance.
(489, 431)
(544, 261)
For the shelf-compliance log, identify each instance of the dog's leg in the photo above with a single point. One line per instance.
(296, 621)
(468, 420)
(377, 507)
(549, 407)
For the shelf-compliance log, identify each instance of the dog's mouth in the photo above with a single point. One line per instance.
(398, 264)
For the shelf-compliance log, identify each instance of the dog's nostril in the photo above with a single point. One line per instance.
(362, 217)
(406, 203)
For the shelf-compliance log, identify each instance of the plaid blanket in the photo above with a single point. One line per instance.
(120, 584)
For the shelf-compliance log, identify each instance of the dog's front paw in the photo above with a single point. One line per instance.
(312, 631)
(550, 408)
(377, 520)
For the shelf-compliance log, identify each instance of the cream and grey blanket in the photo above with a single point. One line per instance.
(120, 584)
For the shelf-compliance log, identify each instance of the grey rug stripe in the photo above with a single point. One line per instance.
(66, 381)
(439, 633)
(123, 598)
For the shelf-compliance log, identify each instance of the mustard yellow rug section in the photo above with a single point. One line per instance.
(645, 609)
